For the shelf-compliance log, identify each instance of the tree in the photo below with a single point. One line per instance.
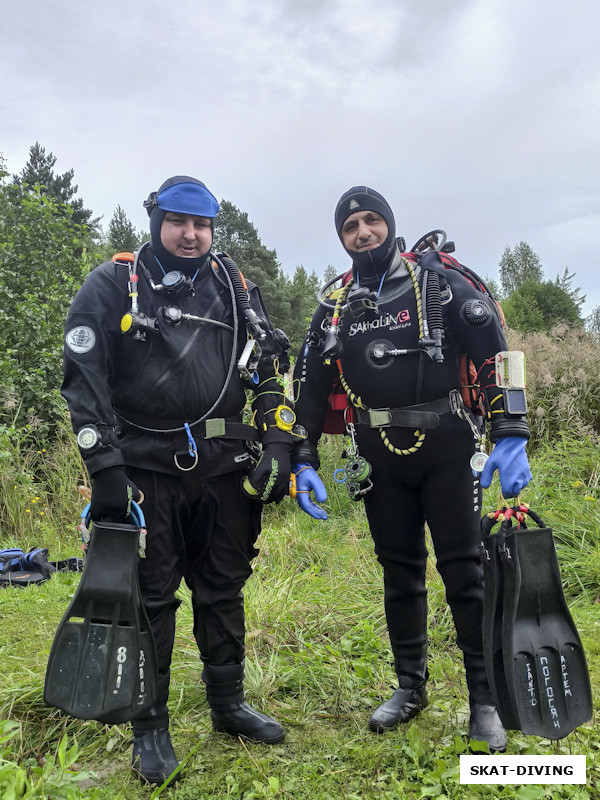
(43, 261)
(565, 282)
(39, 171)
(237, 236)
(592, 323)
(329, 273)
(517, 266)
(494, 287)
(302, 294)
(538, 306)
(122, 235)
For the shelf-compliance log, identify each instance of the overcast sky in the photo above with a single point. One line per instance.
(481, 117)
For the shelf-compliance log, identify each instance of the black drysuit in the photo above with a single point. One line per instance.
(201, 527)
(434, 484)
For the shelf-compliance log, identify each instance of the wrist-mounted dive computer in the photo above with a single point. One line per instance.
(515, 402)
(285, 418)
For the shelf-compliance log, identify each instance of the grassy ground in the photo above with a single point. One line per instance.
(318, 659)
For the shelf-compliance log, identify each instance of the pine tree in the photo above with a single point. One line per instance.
(122, 235)
(564, 281)
(237, 236)
(39, 171)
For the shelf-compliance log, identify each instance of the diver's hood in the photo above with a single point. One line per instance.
(369, 267)
(183, 195)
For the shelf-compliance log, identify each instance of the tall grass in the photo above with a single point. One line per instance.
(563, 383)
(318, 656)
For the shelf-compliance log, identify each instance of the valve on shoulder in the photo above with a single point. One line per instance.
(333, 348)
(281, 339)
(256, 327)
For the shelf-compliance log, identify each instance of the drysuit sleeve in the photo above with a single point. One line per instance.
(313, 381)
(268, 391)
(92, 338)
(477, 325)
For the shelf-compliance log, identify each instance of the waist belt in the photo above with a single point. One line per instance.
(423, 415)
(218, 427)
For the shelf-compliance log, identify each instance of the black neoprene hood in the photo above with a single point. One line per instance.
(370, 266)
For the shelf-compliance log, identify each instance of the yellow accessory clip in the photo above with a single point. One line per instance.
(293, 491)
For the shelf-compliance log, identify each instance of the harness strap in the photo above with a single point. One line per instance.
(217, 427)
(423, 415)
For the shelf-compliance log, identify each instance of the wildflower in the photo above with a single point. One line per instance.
(577, 484)
(589, 498)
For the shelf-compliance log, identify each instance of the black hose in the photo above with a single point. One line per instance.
(435, 319)
(257, 326)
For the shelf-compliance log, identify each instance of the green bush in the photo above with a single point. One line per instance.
(43, 262)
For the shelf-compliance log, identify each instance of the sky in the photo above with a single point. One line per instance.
(479, 117)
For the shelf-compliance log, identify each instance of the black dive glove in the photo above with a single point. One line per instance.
(112, 494)
(269, 481)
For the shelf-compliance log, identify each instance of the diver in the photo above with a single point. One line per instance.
(392, 337)
(160, 349)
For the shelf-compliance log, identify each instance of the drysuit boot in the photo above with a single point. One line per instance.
(485, 726)
(411, 696)
(153, 758)
(228, 710)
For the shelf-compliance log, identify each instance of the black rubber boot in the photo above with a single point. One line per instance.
(403, 705)
(410, 665)
(153, 759)
(228, 710)
(485, 726)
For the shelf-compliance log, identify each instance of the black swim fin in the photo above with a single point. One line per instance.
(542, 684)
(493, 575)
(102, 664)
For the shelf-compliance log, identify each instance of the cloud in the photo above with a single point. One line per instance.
(478, 116)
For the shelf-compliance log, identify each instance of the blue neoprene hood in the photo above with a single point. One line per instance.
(188, 198)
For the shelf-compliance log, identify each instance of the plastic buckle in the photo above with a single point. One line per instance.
(455, 401)
(214, 427)
(380, 417)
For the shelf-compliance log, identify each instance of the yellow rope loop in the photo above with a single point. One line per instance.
(420, 437)
(354, 399)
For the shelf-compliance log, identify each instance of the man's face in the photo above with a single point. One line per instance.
(363, 230)
(186, 235)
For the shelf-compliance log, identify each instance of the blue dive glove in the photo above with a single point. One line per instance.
(510, 459)
(307, 481)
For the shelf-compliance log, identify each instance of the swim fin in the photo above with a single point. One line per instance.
(493, 600)
(102, 663)
(541, 683)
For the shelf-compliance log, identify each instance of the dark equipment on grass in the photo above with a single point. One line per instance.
(533, 654)
(102, 664)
